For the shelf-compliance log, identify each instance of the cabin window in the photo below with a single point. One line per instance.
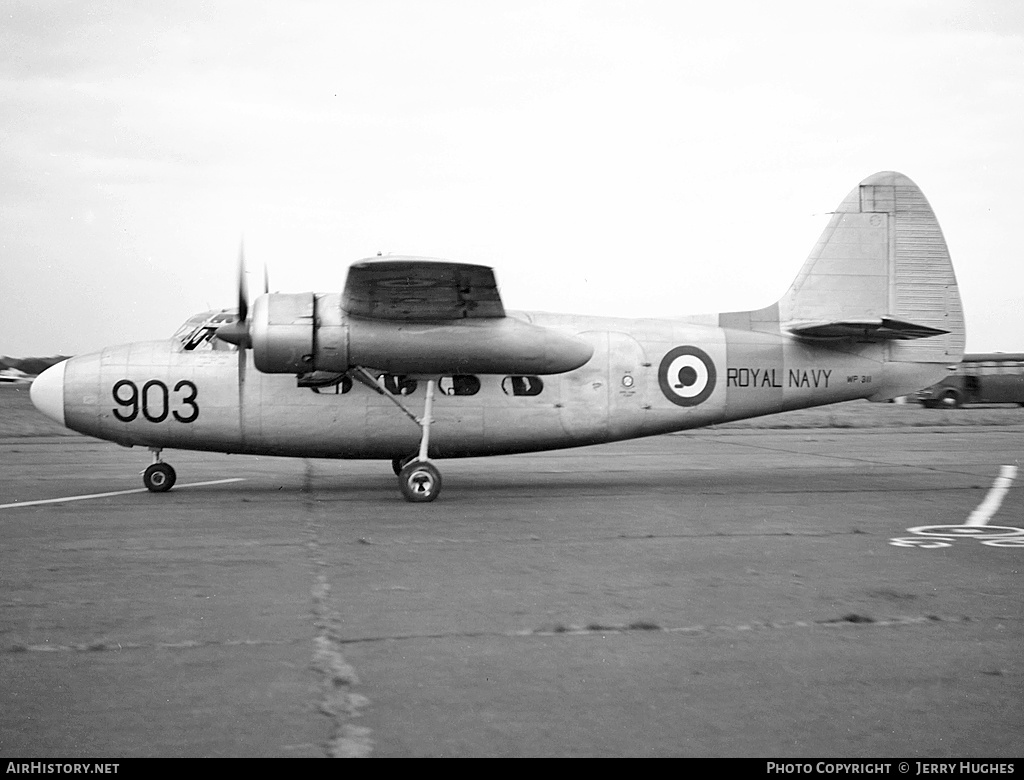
(522, 385)
(459, 384)
(397, 384)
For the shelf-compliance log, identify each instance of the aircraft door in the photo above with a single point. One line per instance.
(605, 399)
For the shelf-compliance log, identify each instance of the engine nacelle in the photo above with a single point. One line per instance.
(304, 332)
(294, 333)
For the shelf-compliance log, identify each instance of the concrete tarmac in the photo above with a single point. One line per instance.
(717, 593)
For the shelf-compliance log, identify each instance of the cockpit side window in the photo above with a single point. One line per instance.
(198, 338)
(200, 332)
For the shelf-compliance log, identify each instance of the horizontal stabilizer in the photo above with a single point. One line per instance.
(409, 289)
(875, 329)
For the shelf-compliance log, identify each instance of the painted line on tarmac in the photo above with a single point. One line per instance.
(934, 537)
(65, 499)
(994, 499)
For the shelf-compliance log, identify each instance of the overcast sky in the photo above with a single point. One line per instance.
(635, 158)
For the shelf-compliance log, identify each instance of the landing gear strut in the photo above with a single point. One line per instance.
(418, 478)
(159, 477)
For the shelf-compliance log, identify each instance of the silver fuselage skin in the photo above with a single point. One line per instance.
(155, 394)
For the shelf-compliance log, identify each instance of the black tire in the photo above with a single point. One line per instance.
(397, 464)
(419, 481)
(159, 478)
(951, 399)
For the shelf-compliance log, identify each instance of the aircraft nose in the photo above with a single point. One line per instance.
(47, 392)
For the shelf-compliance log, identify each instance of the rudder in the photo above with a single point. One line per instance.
(881, 263)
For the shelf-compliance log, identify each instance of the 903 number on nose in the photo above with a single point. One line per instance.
(154, 401)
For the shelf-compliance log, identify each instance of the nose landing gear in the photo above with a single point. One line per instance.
(159, 477)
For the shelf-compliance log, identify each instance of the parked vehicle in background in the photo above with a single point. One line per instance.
(981, 378)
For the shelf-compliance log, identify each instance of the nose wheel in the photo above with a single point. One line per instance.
(159, 477)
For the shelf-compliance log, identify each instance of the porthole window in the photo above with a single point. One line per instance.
(397, 384)
(459, 384)
(522, 385)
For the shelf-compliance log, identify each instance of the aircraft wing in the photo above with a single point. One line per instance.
(410, 315)
(416, 290)
(872, 329)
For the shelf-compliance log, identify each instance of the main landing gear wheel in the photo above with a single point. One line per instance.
(159, 477)
(419, 481)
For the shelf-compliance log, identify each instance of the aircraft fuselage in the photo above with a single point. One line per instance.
(646, 377)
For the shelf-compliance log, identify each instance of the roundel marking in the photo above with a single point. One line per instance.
(687, 376)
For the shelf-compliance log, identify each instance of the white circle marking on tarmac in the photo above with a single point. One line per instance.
(930, 537)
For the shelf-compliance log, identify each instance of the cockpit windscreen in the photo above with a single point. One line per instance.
(199, 333)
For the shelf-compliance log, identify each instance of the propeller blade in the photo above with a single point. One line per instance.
(237, 332)
(240, 330)
(243, 286)
(243, 359)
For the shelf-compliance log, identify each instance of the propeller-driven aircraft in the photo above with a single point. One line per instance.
(418, 360)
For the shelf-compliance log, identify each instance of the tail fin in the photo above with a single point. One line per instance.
(880, 273)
